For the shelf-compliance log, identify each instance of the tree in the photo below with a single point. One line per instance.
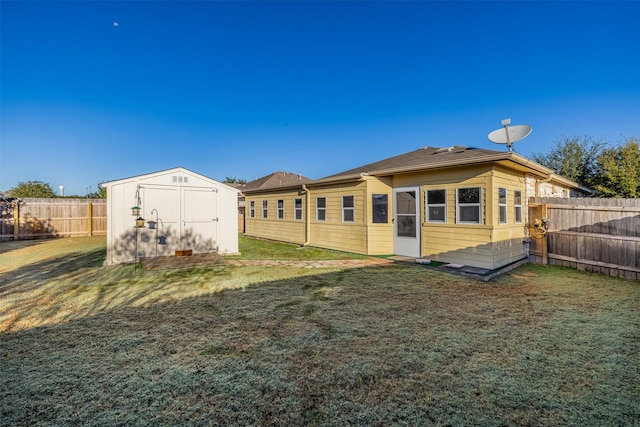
(100, 193)
(234, 180)
(574, 158)
(620, 170)
(32, 189)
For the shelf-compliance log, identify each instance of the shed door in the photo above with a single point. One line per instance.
(199, 219)
(406, 221)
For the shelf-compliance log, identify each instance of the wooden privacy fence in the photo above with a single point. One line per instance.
(601, 235)
(32, 218)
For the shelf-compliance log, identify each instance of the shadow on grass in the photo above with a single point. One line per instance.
(375, 346)
(50, 269)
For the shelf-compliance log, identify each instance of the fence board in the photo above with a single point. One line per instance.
(38, 218)
(591, 234)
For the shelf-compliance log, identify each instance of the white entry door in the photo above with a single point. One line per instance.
(199, 220)
(406, 221)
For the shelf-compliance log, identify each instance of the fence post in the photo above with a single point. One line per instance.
(545, 242)
(16, 220)
(90, 215)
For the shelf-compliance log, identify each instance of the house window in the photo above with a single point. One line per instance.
(380, 208)
(502, 204)
(468, 207)
(321, 209)
(297, 209)
(436, 205)
(280, 209)
(347, 209)
(517, 203)
(265, 208)
(252, 209)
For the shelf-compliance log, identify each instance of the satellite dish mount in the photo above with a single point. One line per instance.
(509, 135)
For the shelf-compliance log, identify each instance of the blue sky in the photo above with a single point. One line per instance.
(244, 89)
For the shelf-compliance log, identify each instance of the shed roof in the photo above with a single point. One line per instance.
(164, 172)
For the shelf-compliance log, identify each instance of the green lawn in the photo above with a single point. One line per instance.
(251, 248)
(397, 345)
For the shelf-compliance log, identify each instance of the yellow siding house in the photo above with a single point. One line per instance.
(457, 205)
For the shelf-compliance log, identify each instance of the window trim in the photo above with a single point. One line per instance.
(504, 205)
(323, 209)
(478, 205)
(349, 208)
(427, 205)
(517, 207)
(265, 209)
(280, 210)
(297, 209)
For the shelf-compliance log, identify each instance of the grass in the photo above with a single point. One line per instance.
(251, 248)
(400, 345)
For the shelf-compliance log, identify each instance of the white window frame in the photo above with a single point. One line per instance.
(321, 209)
(297, 211)
(435, 205)
(517, 211)
(265, 209)
(477, 205)
(252, 209)
(503, 207)
(280, 207)
(346, 209)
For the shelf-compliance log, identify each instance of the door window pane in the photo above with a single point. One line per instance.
(407, 225)
(406, 213)
(406, 202)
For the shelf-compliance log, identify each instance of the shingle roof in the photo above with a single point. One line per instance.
(275, 180)
(421, 158)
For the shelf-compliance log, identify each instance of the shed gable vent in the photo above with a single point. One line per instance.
(180, 179)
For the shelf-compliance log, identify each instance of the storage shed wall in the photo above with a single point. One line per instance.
(191, 211)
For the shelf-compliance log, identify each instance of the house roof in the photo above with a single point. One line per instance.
(437, 158)
(275, 180)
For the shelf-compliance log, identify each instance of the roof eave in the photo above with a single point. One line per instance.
(271, 189)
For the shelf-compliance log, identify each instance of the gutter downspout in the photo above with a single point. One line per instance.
(307, 228)
(541, 181)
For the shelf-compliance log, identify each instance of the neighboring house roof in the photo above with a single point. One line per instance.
(275, 180)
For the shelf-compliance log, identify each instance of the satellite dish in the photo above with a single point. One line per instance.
(509, 135)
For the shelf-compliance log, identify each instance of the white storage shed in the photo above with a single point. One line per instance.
(167, 213)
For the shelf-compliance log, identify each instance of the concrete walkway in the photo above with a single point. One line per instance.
(337, 263)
